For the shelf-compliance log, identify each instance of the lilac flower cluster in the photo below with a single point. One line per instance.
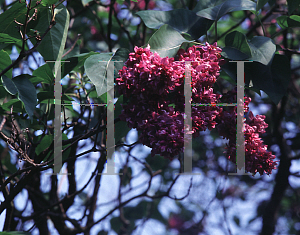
(154, 88)
(257, 158)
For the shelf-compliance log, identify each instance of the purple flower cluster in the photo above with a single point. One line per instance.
(154, 88)
(257, 158)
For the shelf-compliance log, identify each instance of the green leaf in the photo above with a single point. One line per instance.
(45, 95)
(293, 5)
(48, 2)
(115, 224)
(66, 99)
(237, 47)
(294, 21)
(282, 21)
(17, 105)
(201, 5)
(95, 67)
(120, 55)
(221, 8)
(26, 92)
(260, 4)
(262, 49)
(45, 143)
(6, 39)
(5, 61)
(75, 62)
(25, 89)
(44, 72)
(281, 74)
(273, 80)
(36, 80)
(53, 44)
(16, 13)
(9, 85)
(233, 53)
(288, 21)
(183, 20)
(166, 41)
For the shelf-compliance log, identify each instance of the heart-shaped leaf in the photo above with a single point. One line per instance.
(96, 69)
(262, 49)
(25, 89)
(166, 41)
(221, 8)
(237, 47)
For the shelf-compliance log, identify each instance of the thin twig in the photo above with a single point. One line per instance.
(72, 47)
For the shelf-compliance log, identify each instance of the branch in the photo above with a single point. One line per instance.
(258, 23)
(109, 26)
(123, 28)
(72, 47)
(281, 179)
(24, 54)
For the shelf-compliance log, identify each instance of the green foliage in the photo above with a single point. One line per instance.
(237, 47)
(260, 4)
(273, 80)
(87, 39)
(4, 62)
(46, 141)
(96, 69)
(183, 20)
(288, 21)
(293, 5)
(14, 14)
(75, 63)
(262, 49)
(45, 73)
(166, 41)
(216, 9)
(5, 39)
(48, 2)
(26, 91)
(52, 46)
